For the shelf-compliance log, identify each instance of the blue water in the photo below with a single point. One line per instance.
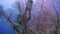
(4, 27)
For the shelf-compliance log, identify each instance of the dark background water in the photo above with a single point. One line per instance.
(4, 27)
